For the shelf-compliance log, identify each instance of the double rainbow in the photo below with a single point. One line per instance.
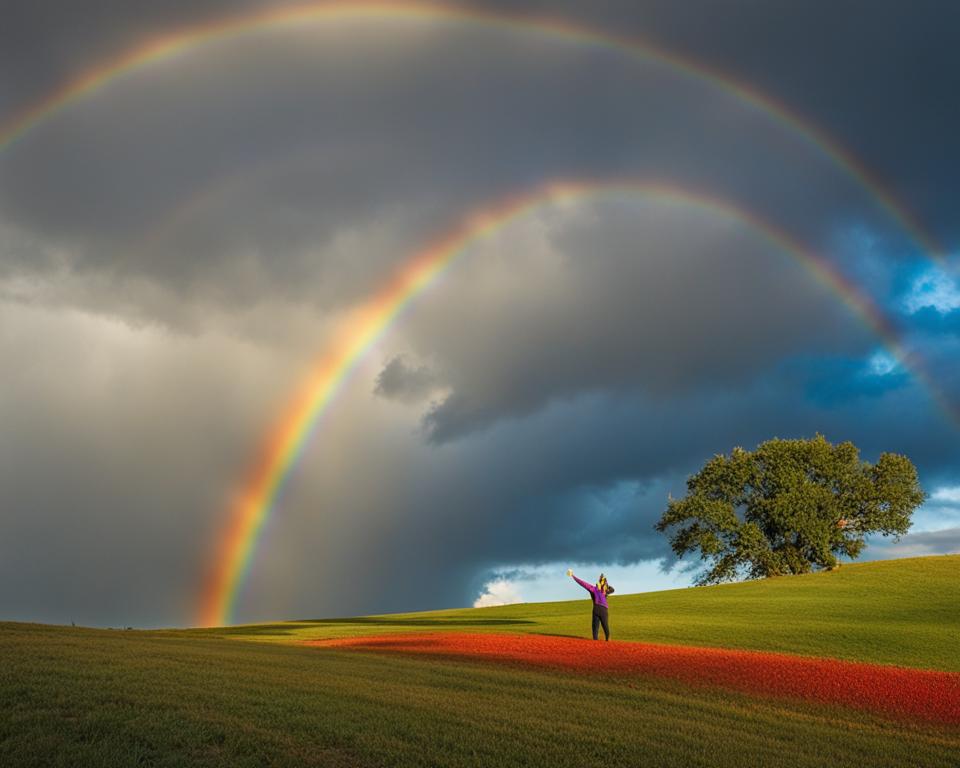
(286, 441)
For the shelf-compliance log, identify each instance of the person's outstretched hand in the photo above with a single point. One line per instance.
(569, 572)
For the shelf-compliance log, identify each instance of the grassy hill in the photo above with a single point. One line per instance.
(904, 612)
(252, 696)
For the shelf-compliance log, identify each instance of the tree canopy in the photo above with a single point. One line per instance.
(790, 506)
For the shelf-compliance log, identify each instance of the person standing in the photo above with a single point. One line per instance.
(598, 593)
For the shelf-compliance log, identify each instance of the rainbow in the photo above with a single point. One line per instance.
(169, 45)
(286, 441)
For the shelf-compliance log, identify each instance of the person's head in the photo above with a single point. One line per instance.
(602, 584)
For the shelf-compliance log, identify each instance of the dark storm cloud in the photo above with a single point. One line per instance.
(120, 446)
(45, 43)
(469, 115)
(894, 66)
(877, 79)
(634, 295)
(593, 354)
(405, 381)
(581, 480)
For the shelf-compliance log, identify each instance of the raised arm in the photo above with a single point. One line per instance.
(589, 587)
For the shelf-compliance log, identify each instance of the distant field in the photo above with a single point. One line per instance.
(77, 697)
(903, 612)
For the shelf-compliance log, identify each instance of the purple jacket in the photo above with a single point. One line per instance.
(595, 592)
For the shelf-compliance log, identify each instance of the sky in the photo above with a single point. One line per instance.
(183, 241)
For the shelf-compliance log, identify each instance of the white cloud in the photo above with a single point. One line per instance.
(883, 363)
(549, 583)
(940, 512)
(934, 289)
(499, 592)
(947, 494)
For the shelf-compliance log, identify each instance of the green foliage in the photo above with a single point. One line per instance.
(790, 506)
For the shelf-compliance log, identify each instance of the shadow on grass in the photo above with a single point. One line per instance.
(291, 627)
(562, 634)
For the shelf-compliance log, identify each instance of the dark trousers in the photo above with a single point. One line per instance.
(600, 617)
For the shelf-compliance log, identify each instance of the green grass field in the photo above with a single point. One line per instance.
(251, 696)
(903, 612)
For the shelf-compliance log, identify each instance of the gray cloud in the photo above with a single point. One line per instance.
(619, 294)
(177, 248)
(179, 177)
(130, 442)
(405, 381)
(582, 480)
(124, 445)
(945, 542)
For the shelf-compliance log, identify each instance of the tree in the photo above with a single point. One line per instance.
(790, 506)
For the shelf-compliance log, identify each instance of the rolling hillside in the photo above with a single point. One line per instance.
(903, 612)
(255, 696)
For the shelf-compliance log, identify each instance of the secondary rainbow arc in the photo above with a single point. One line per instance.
(168, 45)
(285, 443)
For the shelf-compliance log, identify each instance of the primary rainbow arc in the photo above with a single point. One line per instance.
(285, 443)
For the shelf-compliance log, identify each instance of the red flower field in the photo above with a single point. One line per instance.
(897, 691)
